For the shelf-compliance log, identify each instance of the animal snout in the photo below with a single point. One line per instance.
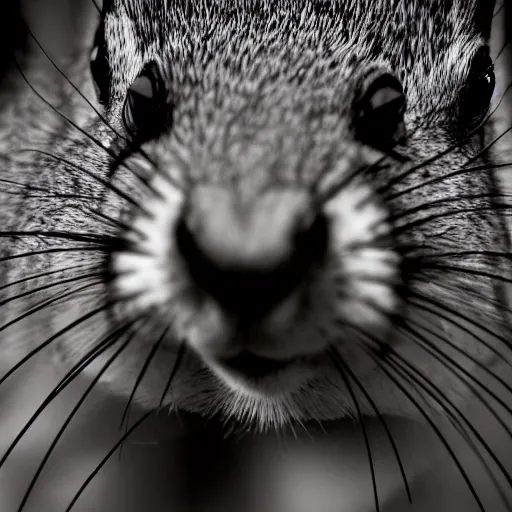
(250, 254)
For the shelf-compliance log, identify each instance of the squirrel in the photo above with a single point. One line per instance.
(271, 212)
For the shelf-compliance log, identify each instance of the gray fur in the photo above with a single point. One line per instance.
(263, 94)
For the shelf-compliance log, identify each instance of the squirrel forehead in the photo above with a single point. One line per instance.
(399, 31)
(427, 43)
(156, 19)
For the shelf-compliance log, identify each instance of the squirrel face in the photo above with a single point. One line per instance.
(288, 186)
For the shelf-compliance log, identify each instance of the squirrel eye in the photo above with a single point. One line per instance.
(99, 67)
(380, 113)
(477, 93)
(145, 111)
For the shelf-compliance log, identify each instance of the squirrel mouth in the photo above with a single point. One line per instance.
(253, 366)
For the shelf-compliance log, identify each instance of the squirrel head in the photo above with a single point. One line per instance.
(294, 170)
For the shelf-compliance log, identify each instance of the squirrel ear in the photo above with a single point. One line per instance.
(484, 14)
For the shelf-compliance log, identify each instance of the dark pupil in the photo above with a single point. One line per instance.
(477, 94)
(100, 67)
(381, 114)
(144, 114)
(486, 79)
(489, 79)
(140, 101)
(99, 70)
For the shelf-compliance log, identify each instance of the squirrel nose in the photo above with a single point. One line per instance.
(250, 255)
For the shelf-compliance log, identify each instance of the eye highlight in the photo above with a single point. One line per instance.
(146, 113)
(380, 112)
(476, 94)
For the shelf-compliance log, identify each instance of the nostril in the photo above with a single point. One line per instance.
(250, 257)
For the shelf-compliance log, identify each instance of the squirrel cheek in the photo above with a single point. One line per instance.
(366, 271)
(143, 274)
